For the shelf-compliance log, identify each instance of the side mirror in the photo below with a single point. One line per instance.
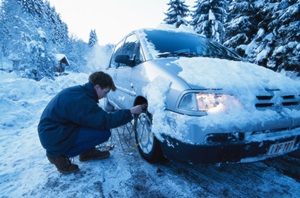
(124, 59)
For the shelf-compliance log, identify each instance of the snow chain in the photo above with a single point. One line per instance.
(125, 136)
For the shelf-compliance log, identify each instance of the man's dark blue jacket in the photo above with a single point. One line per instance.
(71, 109)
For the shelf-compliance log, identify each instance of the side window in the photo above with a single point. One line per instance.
(117, 51)
(130, 47)
(133, 50)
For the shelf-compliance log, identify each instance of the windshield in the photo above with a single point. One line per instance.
(169, 43)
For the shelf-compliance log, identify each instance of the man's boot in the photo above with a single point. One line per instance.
(63, 164)
(94, 154)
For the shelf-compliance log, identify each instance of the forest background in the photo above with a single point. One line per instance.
(265, 32)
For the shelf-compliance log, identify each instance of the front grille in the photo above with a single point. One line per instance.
(261, 105)
(276, 101)
(264, 97)
(289, 103)
(289, 100)
(288, 97)
(264, 101)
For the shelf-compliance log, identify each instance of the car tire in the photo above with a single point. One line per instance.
(148, 145)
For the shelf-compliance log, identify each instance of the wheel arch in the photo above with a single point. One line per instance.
(140, 100)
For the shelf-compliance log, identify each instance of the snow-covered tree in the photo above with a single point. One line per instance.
(33, 6)
(76, 51)
(46, 17)
(208, 18)
(177, 13)
(93, 38)
(15, 31)
(266, 32)
(31, 34)
(283, 22)
(240, 24)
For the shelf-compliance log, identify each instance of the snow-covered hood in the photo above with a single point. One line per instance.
(232, 76)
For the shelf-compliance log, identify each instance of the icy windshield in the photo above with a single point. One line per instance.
(169, 43)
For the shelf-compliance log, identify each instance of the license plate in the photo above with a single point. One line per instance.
(281, 148)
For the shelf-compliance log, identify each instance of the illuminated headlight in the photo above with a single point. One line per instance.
(206, 102)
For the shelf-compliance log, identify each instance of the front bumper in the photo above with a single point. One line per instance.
(238, 152)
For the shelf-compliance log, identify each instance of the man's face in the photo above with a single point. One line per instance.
(101, 93)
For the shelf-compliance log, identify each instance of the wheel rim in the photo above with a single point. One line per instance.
(144, 134)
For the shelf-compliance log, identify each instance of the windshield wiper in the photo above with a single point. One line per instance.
(172, 54)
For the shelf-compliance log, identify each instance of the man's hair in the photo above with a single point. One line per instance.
(103, 80)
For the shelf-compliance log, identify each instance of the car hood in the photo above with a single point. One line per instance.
(230, 76)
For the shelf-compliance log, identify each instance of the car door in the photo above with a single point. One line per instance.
(122, 73)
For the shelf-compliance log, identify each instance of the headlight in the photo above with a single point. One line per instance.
(208, 102)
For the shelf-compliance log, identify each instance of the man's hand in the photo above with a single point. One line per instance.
(138, 109)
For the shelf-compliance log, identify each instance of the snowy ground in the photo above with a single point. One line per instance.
(25, 171)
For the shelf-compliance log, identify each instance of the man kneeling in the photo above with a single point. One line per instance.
(73, 124)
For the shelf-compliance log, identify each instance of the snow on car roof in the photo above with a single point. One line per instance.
(168, 27)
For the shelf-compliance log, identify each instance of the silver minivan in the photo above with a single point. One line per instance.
(205, 104)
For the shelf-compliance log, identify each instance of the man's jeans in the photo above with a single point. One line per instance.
(86, 140)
